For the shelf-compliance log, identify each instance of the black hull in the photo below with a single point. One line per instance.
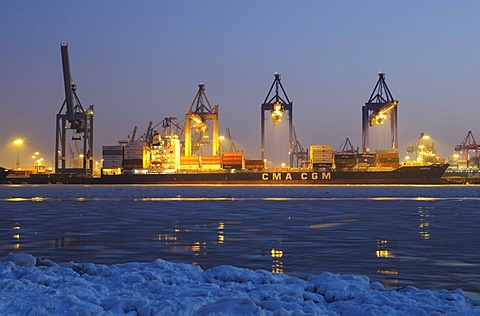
(3, 174)
(403, 175)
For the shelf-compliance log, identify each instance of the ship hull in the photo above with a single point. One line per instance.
(403, 175)
(3, 174)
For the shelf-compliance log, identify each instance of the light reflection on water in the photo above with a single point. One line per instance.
(421, 236)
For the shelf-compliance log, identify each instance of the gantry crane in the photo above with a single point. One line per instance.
(277, 105)
(75, 121)
(423, 149)
(299, 153)
(346, 148)
(231, 145)
(467, 145)
(197, 117)
(171, 127)
(380, 106)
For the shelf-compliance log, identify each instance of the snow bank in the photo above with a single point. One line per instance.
(30, 285)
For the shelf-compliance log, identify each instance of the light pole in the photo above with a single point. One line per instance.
(18, 143)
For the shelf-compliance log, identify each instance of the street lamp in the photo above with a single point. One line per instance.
(18, 143)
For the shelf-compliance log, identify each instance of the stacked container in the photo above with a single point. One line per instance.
(112, 157)
(211, 162)
(136, 155)
(254, 164)
(321, 156)
(345, 161)
(387, 159)
(189, 162)
(366, 160)
(232, 160)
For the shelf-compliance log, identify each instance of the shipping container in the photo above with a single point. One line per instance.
(211, 160)
(211, 166)
(184, 159)
(112, 164)
(321, 154)
(233, 154)
(132, 163)
(369, 159)
(232, 166)
(112, 151)
(252, 164)
(345, 161)
(322, 165)
(189, 166)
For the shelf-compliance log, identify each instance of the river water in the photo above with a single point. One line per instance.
(425, 236)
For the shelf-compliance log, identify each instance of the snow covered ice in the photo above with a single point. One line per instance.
(32, 285)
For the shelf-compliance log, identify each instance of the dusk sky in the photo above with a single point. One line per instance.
(140, 61)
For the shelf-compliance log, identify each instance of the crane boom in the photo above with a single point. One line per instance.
(67, 80)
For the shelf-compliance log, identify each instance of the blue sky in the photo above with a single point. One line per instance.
(140, 61)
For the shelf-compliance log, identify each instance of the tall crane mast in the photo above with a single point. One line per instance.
(277, 103)
(74, 120)
(380, 106)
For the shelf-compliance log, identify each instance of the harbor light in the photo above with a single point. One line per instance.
(18, 143)
(277, 113)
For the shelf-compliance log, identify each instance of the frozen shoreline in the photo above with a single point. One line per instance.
(39, 286)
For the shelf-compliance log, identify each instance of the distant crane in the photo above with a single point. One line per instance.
(80, 124)
(231, 145)
(277, 105)
(300, 154)
(423, 149)
(171, 127)
(380, 106)
(130, 137)
(346, 148)
(467, 145)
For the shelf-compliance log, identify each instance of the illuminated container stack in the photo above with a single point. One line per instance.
(233, 160)
(189, 162)
(136, 155)
(321, 156)
(211, 162)
(387, 159)
(166, 152)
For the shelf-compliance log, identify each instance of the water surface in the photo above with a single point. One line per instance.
(425, 236)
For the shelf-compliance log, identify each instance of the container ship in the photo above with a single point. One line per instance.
(128, 165)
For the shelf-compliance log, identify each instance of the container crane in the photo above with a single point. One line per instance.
(171, 127)
(467, 145)
(231, 145)
(380, 106)
(346, 148)
(197, 117)
(277, 105)
(299, 153)
(74, 121)
(423, 149)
